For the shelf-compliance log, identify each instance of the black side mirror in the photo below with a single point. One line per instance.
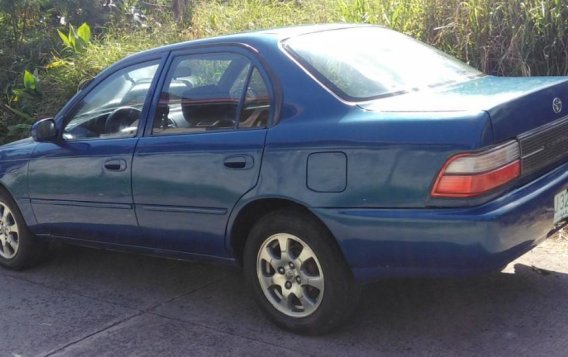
(44, 130)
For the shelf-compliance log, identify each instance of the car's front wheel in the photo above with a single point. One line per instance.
(298, 274)
(18, 247)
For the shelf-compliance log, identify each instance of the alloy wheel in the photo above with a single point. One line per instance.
(290, 275)
(9, 233)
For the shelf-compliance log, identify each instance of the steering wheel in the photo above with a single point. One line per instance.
(121, 118)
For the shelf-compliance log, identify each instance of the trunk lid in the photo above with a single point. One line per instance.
(528, 109)
(516, 105)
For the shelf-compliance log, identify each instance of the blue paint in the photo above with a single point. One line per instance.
(365, 169)
(327, 172)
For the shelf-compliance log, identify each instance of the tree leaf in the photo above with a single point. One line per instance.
(72, 37)
(30, 81)
(64, 38)
(84, 33)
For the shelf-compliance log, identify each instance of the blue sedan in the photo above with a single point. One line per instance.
(316, 158)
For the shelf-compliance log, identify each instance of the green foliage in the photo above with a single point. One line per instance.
(21, 104)
(30, 81)
(24, 94)
(84, 33)
(76, 40)
(504, 37)
(66, 39)
(68, 70)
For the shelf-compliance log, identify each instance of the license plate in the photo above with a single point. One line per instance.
(560, 206)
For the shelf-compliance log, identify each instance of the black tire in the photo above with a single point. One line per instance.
(340, 291)
(29, 250)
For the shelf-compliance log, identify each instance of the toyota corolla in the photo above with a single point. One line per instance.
(316, 158)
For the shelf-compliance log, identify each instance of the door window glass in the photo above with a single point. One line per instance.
(256, 106)
(112, 109)
(202, 92)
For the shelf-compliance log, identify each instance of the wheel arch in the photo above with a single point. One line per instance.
(5, 190)
(24, 205)
(246, 216)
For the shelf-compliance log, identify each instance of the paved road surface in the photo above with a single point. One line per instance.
(86, 302)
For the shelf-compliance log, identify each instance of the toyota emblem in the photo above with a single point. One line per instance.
(557, 105)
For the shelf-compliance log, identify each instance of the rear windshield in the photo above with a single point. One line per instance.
(366, 63)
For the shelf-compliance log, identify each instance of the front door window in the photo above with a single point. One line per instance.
(112, 109)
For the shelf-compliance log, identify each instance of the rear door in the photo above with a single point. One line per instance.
(203, 150)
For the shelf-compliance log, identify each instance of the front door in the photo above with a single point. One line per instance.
(203, 151)
(80, 185)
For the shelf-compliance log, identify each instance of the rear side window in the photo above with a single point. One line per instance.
(209, 92)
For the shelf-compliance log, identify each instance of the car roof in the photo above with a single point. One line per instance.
(270, 35)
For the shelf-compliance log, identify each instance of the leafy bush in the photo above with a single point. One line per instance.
(76, 40)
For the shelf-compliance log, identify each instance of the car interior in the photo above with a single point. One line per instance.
(189, 102)
(186, 107)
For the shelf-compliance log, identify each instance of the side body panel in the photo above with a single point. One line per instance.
(184, 186)
(392, 158)
(183, 192)
(72, 193)
(82, 188)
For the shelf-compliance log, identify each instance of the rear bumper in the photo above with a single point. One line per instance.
(381, 243)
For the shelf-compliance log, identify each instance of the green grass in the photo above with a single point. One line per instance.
(506, 37)
(66, 72)
(502, 37)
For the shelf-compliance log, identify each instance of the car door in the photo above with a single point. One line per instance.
(203, 150)
(80, 183)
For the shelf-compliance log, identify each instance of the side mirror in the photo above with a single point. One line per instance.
(44, 130)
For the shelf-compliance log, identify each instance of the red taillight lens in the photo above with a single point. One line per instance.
(470, 175)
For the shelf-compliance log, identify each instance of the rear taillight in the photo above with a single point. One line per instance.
(473, 174)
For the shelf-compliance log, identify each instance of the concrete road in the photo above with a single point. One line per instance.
(86, 302)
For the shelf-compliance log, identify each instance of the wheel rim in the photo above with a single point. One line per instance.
(9, 233)
(290, 275)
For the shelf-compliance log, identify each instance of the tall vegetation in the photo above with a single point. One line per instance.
(503, 37)
(46, 53)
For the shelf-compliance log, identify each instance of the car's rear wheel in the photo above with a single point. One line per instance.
(18, 247)
(298, 274)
